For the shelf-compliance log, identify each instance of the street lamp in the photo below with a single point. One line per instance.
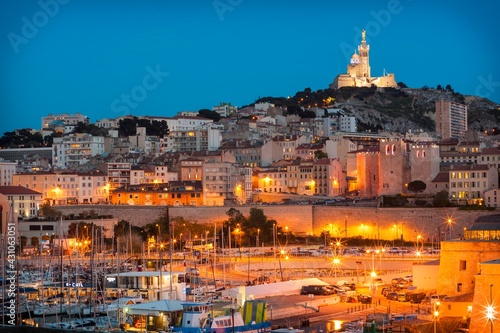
(161, 275)
(257, 240)
(449, 222)
(336, 262)
(490, 311)
(436, 315)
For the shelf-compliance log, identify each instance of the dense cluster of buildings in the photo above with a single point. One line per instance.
(255, 149)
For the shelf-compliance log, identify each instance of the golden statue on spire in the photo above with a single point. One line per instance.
(363, 34)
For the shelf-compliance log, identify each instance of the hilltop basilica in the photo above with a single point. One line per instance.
(358, 71)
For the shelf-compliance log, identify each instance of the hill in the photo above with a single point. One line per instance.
(391, 109)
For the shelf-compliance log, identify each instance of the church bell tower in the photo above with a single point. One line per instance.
(364, 57)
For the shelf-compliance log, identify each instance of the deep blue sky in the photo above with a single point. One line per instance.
(87, 53)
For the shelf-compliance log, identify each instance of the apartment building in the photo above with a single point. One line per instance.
(489, 156)
(118, 174)
(68, 120)
(451, 120)
(191, 169)
(307, 151)
(288, 144)
(77, 149)
(205, 137)
(225, 182)
(246, 153)
(175, 193)
(468, 183)
(7, 170)
(225, 109)
(25, 202)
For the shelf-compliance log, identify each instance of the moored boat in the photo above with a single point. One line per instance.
(197, 318)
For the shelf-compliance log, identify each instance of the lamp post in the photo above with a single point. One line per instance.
(257, 240)
(274, 249)
(449, 222)
(402, 235)
(435, 315)
(490, 313)
(336, 262)
(161, 275)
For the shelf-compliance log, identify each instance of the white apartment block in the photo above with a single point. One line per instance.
(67, 119)
(25, 202)
(184, 123)
(7, 170)
(489, 156)
(66, 188)
(207, 137)
(468, 183)
(348, 124)
(76, 149)
(322, 127)
(492, 198)
(263, 106)
(118, 174)
(107, 123)
(93, 188)
(225, 109)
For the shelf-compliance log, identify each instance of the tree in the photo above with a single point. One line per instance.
(49, 212)
(402, 85)
(235, 218)
(320, 154)
(81, 230)
(441, 199)
(439, 87)
(448, 88)
(209, 114)
(416, 186)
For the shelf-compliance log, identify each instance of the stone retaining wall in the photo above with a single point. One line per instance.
(366, 222)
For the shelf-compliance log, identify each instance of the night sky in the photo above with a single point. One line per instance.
(106, 59)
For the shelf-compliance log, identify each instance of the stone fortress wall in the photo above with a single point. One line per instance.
(366, 222)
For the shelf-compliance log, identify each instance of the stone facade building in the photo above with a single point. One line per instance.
(358, 71)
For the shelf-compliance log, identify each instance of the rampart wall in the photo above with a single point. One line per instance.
(366, 222)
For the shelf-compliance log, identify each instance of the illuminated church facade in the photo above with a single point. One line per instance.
(358, 71)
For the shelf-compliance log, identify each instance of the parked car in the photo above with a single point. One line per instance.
(365, 299)
(192, 271)
(436, 298)
(393, 296)
(337, 289)
(416, 297)
(386, 290)
(402, 297)
(315, 290)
